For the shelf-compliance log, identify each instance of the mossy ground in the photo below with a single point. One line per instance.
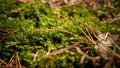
(39, 30)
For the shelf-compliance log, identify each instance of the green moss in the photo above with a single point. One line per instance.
(38, 30)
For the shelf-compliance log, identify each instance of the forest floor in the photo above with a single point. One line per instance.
(59, 34)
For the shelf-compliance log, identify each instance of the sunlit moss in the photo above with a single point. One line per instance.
(38, 29)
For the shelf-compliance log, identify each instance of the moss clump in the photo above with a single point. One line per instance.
(41, 28)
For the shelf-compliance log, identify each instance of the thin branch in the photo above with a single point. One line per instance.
(18, 60)
(83, 57)
(108, 64)
(87, 56)
(87, 36)
(15, 59)
(66, 31)
(61, 50)
(114, 20)
(36, 55)
(111, 39)
(38, 30)
(3, 62)
(7, 30)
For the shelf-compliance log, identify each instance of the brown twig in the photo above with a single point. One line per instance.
(87, 36)
(61, 50)
(114, 20)
(66, 31)
(87, 56)
(111, 39)
(90, 27)
(7, 31)
(108, 63)
(3, 62)
(36, 55)
(63, 31)
(83, 57)
(15, 60)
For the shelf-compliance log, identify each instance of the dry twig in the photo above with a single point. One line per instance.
(61, 50)
(83, 57)
(3, 62)
(5, 33)
(39, 30)
(36, 55)
(87, 56)
(15, 60)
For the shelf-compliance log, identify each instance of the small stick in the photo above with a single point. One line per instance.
(36, 55)
(87, 36)
(87, 56)
(3, 62)
(61, 50)
(106, 35)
